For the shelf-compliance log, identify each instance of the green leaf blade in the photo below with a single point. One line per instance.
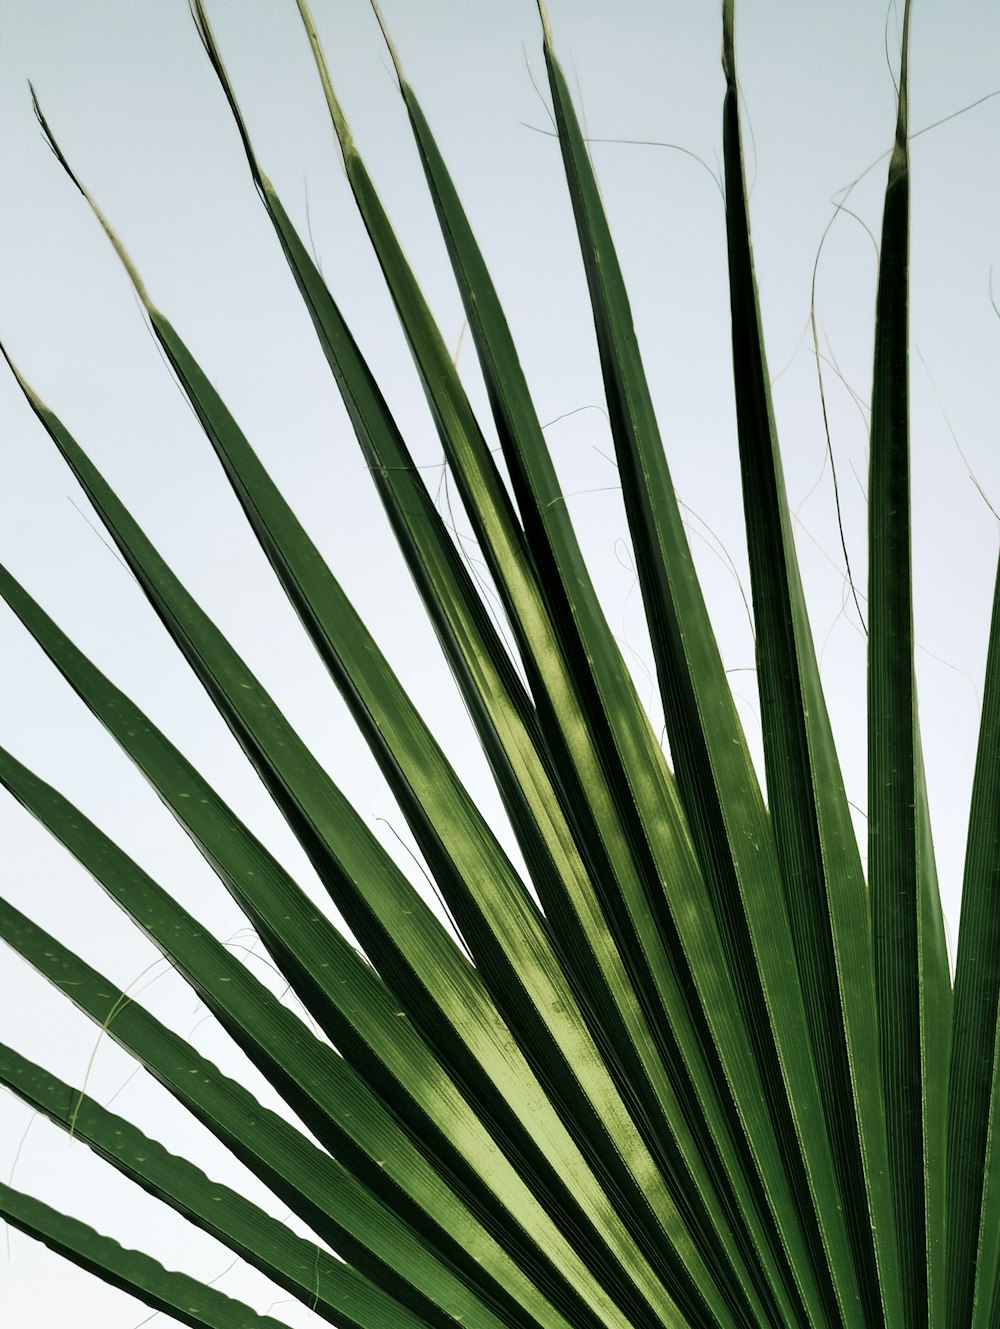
(189, 1301)
(912, 980)
(546, 516)
(821, 869)
(722, 799)
(973, 1213)
(330, 1288)
(352, 1204)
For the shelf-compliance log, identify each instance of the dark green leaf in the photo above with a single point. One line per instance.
(186, 1299)
(912, 980)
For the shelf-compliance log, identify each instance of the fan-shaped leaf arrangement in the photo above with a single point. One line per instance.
(699, 1074)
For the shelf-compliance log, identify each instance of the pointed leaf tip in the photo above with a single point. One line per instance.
(340, 125)
(387, 38)
(543, 14)
(106, 226)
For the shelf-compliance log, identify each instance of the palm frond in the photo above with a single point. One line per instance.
(676, 1061)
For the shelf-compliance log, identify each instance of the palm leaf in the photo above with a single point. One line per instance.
(330, 1287)
(188, 1301)
(686, 1066)
(912, 981)
(973, 1090)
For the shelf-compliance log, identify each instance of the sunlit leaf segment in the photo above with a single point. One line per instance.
(698, 1068)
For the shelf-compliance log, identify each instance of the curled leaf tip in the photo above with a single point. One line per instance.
(200, 21)
(108, 229)
(207, 37)
(50, 139)
(340, 125)
(386, 37)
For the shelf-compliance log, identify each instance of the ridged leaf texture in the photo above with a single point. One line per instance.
(688, 1062)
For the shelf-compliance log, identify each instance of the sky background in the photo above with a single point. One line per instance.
(132, 99)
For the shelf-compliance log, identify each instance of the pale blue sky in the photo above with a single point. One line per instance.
(129, 93)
